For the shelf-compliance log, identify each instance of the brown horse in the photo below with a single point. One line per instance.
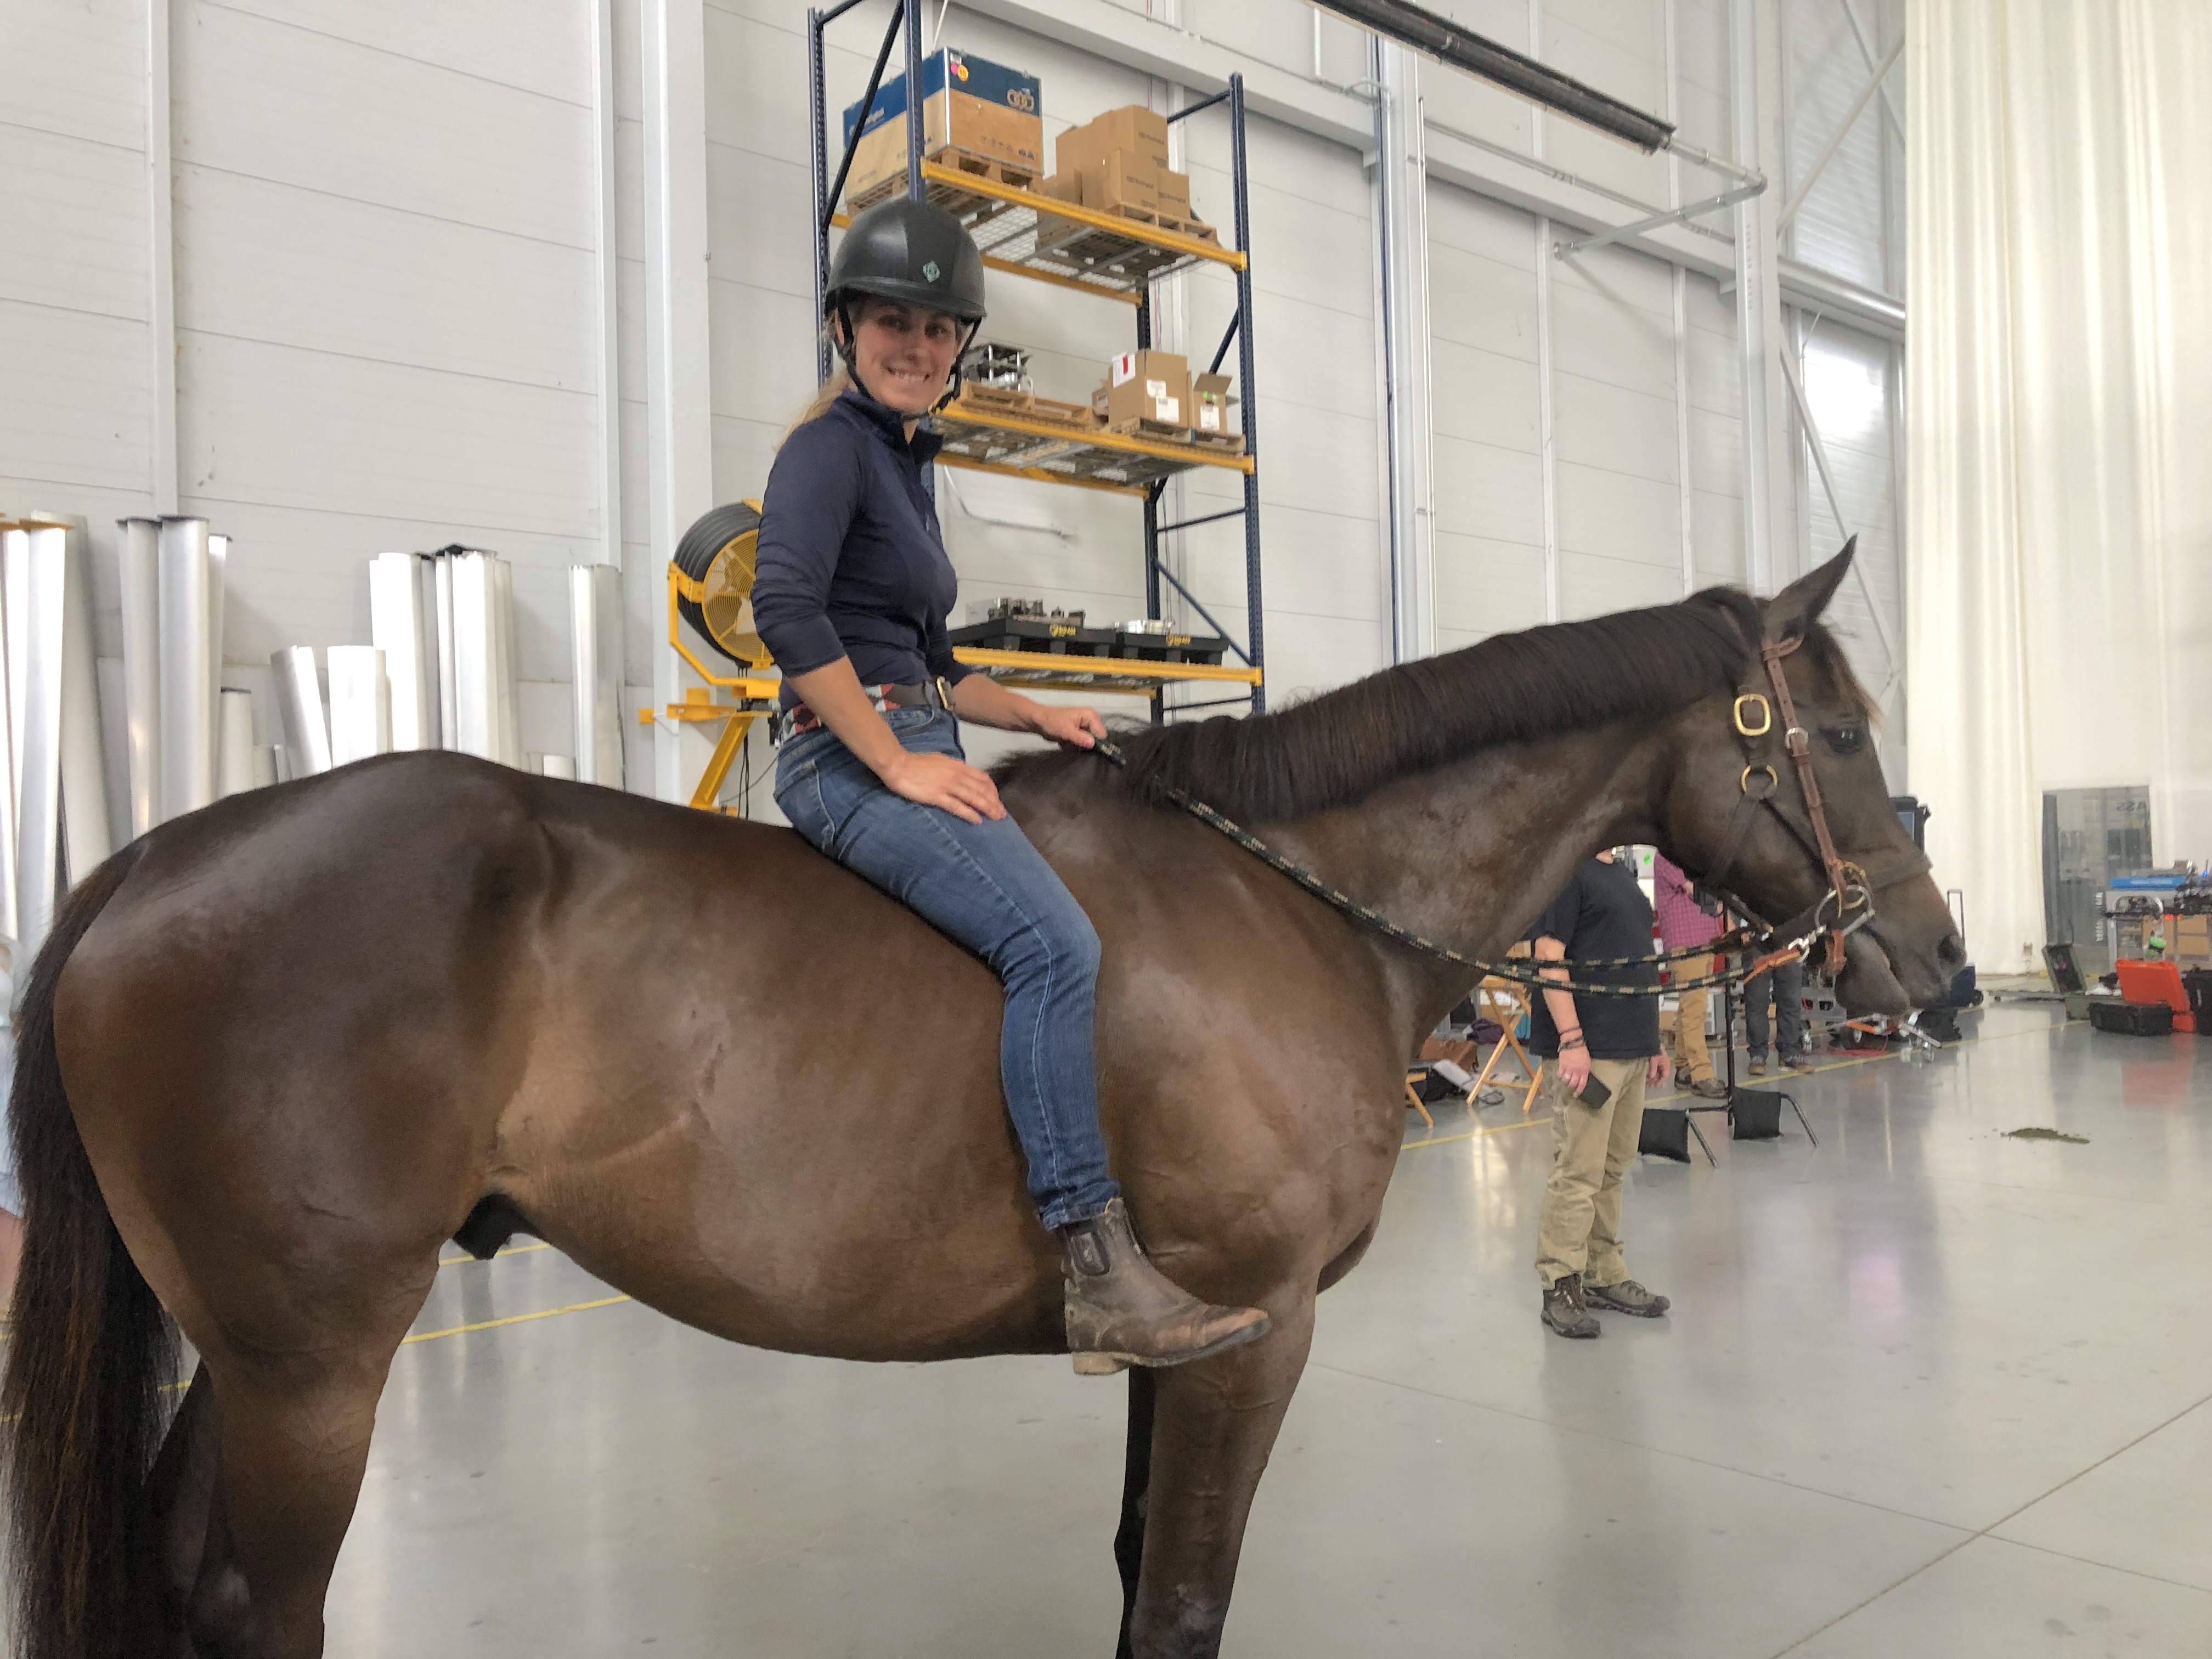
(307, 1032)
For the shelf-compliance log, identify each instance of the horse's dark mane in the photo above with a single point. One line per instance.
(1338, 748)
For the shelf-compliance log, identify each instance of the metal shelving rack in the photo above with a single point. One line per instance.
(1110, 257)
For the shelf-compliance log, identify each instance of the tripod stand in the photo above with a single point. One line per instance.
(1753, 1113)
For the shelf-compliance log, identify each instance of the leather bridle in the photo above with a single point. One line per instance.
(1847, 905)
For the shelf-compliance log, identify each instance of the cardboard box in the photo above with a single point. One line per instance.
(989, 111)
(1118, 181)
(1210, 397)
(1153, 386)
(1174, 189)
(1133, 129)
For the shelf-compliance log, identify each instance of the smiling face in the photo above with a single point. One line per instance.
(905, 354)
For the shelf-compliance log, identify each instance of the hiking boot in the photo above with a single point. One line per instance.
(1565, 1312)
(1710, 1088)
(1121, 1311)
(1758, 1067)
(1628, 1297)
(1798, 1063)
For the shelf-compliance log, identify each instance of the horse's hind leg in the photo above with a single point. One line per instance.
(1213, 1424)
(179, 1494)
(292, 1434)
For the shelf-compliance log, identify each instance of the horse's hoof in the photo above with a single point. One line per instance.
(1099, 1365)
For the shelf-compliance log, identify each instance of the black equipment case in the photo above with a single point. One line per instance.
(2131, 1018)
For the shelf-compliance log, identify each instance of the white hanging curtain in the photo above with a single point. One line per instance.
(2059, 431)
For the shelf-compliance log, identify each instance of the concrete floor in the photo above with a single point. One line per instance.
(1925, 1391)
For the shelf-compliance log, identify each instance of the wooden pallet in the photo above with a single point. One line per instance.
(1158, 432)
(971, 207)
(1232, 442)
(981, 402)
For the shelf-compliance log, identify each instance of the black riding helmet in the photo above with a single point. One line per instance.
(913, 251)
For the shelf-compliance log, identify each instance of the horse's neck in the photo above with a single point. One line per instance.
(1469, 855)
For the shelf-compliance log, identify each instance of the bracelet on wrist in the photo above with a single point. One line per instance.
(1566, 1044)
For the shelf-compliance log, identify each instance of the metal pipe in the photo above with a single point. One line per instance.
(234, 758)
(1193, 109)
(218, 586)
(187, 720)
(1255, 615)
(1228, 336)
(1867, 52)
(85, 821)
(1836, 143)
(142, 668)
(1438, 37)
(398, 627)
(838, 11)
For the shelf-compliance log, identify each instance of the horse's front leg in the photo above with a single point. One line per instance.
(1213, 1424)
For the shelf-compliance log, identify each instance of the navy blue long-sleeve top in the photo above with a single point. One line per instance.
(850, 562)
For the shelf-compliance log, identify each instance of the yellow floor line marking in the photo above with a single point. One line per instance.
(1471, 1134)
(511, 1249)
(1832, 1066)
(514, 1319)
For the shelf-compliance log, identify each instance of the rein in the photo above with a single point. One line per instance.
(1849, 888)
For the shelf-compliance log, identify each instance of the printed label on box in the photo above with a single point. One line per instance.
(1156, 388)
(1125, 367)
(1167, 409)
(1209, 417)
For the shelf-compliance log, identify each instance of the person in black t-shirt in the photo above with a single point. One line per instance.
(1590, 1044)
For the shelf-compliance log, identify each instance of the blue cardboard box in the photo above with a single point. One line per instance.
(968, 104)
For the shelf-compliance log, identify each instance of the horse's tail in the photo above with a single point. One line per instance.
(92, 1351)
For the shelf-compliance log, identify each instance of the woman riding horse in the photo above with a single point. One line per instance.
(851, 593)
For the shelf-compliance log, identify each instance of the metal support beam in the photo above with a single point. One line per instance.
(1671, 217)
(1820, 451)
(1402, 270)
(1842, 132)
(1867, 52)
(678, 399)
(606, 236)
(1754, 79)
(161, 311)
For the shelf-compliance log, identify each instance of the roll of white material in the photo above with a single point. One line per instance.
(506, 690)
(187, 672)
(142, 668)
(235, 767)
(487, 720)
(218, 579)
(595, 660)
(15, 572)
(361, 704)
(84, 773)
(402, 624)
(15, 611)
(300, 702)
(557, 766)
(441, 592)
(38, 754)
(265, 770)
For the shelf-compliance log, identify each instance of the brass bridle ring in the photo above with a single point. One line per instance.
(1744, 728)
(1773, 779)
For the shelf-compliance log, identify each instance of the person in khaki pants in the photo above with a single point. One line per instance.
(1685, 924)
(1612, 1041)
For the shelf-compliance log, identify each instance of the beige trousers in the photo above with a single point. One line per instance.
(1691, 1060)
(1578, 1229)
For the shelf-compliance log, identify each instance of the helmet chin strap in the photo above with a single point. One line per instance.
(849, 356)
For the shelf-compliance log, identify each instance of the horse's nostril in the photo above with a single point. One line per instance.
(1952, 952)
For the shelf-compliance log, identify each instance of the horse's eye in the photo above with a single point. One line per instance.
(1844, 739)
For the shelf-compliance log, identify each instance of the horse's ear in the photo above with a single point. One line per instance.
(1799, 605)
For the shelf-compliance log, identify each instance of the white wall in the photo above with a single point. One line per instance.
(386, 313)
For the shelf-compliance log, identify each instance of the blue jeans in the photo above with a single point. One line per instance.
(985, 887)
(1786, 985)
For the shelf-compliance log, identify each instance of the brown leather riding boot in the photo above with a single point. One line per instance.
(1121, 1311)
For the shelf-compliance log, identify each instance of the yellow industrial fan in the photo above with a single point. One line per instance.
(710, 586)
(715, 561)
